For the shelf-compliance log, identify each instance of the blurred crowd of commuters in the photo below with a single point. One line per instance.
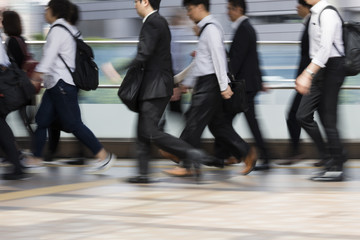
(318, 81)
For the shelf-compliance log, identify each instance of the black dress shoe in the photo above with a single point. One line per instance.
(262, 167)
(15, 176)
(215, 162)
(329, 176)
(139, 179)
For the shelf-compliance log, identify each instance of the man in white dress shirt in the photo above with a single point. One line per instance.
(211, 87)
(320, 84)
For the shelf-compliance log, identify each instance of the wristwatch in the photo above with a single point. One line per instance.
(312, 74)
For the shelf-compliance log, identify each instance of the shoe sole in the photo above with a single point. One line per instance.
(250, 170)
(34, 170)
(320, 179)
(24, 178)
(173, 175)
(105, 168)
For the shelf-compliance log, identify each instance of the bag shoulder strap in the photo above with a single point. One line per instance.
(64, 27)
(203, 28)
(75, 38)
(232, 76)
(342, 21)
(333, 8)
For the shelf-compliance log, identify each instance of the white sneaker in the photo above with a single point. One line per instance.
(30, 161)
(31, 168)
(34, 169)
(102, 166)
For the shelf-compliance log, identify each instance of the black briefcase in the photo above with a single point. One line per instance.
(130, 88)
(238, 101)
(16, 89)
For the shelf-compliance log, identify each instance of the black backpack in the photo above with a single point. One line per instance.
(351, 36)
(86, 74)
(16, 90)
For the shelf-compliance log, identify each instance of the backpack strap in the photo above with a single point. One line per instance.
(75, 38)
(333, 8)
(342, 21)
(63, 26)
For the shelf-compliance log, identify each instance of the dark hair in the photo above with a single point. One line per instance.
(12, 23)
(206, 3)
(302, 2)
(60, 8)
(155, 4)
(74, 14)
(239, 3)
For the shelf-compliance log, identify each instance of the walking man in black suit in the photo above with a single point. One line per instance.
(293, 125)
(157, 87)
(245, 65)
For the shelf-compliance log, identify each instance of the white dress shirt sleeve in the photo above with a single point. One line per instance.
(4, 59)
(218, 55)
(50, 51)
(330, 23)
(189, 80)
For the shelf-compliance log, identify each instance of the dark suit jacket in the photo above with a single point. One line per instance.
(305, 45)
(154, 55)
(243, 55)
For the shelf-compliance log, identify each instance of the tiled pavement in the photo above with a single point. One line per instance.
(280, 204)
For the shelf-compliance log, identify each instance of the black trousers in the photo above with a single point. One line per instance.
(293, 125)
(323, 97)
(207, 110)
(8, 145)
(221, 150)
(254, 126)
(148, 131)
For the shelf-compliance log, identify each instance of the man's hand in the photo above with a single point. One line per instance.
(36, 80)
(227, 93)
(110, 72)
(303, 83)
(176, 94)
(265, 88)
(183, 88)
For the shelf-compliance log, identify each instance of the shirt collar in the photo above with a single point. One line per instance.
(205, 20)
(148, 15)
(306, 19)
(238, 21)
(59, 21)
(319, 6)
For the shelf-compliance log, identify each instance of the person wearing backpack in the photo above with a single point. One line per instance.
(18, 51)
(60, 99)
(320, 84)
(7, 138)
(54, 131)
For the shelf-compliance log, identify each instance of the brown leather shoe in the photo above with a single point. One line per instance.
(169, 156)
(179, 172)
(250, 161)
(232, 160)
